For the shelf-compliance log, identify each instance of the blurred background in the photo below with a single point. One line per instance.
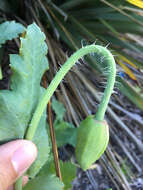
(70, 25)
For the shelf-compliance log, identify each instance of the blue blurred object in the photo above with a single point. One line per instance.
(122, 74)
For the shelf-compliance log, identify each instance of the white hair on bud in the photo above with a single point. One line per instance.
(118, 83)
(55, 70)
(84, 43)
(78, 63)
(59, 63)
(92, 54)
(107, 45)
(94, 42)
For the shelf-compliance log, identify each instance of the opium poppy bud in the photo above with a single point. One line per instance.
(92, 140)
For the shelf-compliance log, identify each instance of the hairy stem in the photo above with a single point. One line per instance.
(60, 75)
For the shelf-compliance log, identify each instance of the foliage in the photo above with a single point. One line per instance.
(104, 22)
(44, 182)
(68, 171)
(17, 105)
(10, 30)
(18, 110)
(108, 23)
(63, 130)
(58, 109)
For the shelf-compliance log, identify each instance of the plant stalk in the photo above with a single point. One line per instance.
(99, 50)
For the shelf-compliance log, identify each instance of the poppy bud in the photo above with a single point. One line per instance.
(92, 140)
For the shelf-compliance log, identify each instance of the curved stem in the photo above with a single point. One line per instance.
(60, 75)
(108, 89)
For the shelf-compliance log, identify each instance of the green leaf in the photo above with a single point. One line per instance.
(45, 182)
(48, 168)
(10, 30)
(59, 109)
(68, 172)
(63, 129)
(18, 104)
(63, 132)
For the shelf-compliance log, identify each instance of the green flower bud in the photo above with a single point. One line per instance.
(92, 140)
